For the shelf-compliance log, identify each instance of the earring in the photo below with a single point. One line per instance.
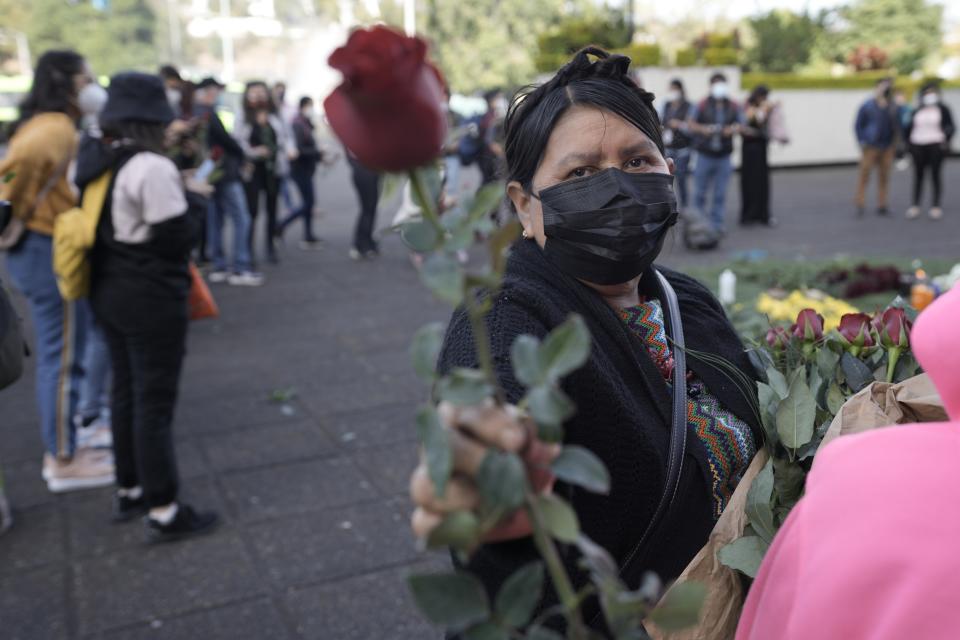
(526, 236)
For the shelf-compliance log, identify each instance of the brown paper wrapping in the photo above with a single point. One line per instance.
(879, 405)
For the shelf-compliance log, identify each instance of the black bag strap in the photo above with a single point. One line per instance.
(678, 430)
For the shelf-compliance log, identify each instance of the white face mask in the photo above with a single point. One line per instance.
(673, 96)
(91, 99)
(174, 97)
(718, 90)
(930, 99)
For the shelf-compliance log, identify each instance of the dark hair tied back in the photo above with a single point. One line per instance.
(592, 77)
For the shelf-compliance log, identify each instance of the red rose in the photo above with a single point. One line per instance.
(895, 328)
(809, 326)
(389, 110)
(856, 329)
(778, 338)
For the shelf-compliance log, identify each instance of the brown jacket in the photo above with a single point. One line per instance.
(42, 146)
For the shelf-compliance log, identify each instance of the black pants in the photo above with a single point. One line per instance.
(266, 182)
(367, 184)
(927, 156)
(755, 183)
(146, 337)
(303, 178)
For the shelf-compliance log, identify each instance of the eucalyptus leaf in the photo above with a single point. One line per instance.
(769, 401)
(858, 374)
(549, 405)
(442, 274)
(455, 600)
(464, 387)
(421, 236)
(486, 631)
(796, 415)
(761, 360)
(835, 398)
(559, 518)
(425, 349)
(827, 362)
(777, 382)
(566, 349)
(788, 479)
(502, 480)
(432, 181)
(680, 607)
(518, 597)
(744, 555)
(460, 530)
(758, 507)
(524, 353)
(435, 441)
(581, 467)
(816, 386)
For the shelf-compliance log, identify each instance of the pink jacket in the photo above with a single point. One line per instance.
(872, 551)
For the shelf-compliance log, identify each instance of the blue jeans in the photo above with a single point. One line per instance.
(715, 170)
(681, 161)
(94, 395)
(229, 200)
(452, 167)
(60, 329)
(303, 178)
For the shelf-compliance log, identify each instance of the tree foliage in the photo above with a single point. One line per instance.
(783, 40)
(556, 45)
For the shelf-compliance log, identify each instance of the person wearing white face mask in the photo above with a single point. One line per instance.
(929, 131)
(43, 143)
(715, 121)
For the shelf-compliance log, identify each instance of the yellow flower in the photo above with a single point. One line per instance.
(786, 309)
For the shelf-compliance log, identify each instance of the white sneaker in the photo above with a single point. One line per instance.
(355, 255)
(96, 435)
(913, 212)
(86, 470)
(936, 213)
(218, 276)
(246, 279)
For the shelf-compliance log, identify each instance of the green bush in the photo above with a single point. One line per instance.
(719, 56)
(864, 80)
(643, 55)
(555, 47)
(686, 57)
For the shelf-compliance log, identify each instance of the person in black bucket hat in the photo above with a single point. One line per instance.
(139, 294)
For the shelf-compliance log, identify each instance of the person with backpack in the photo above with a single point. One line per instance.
(33, 177)
(716, 120)
(139, 288)
(928, 131)
(676, 136)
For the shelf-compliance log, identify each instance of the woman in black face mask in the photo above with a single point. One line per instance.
(594, 194)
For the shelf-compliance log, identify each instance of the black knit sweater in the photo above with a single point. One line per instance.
(623, 413)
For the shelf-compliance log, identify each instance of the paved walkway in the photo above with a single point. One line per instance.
(315, 542)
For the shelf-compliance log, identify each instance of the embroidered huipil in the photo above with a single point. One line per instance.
(727, 439)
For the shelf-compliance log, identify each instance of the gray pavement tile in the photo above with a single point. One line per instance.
(32, 605)
(268, 445)
(335, 543)
(35, 539)
(251, 619)
(389, 467)
(92, 533)
(24, 486)
(190, 460)
(226, 413)
(296, 487)
(374, 427)
(159, 581)
(20, 437)
(342, 610)
(352, 396)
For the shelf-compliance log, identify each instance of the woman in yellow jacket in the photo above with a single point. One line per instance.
(42, 145)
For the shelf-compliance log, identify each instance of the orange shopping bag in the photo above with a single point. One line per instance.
(202, 304)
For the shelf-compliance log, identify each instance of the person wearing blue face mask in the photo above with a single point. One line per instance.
(715, 121)
(593, 191)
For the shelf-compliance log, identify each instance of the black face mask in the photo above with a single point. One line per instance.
(609, 227)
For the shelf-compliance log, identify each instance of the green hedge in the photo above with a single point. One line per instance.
(643, 55)
(686, 57)
(720, 56)
(864, 80)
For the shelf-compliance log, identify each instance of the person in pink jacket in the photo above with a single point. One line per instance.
(871, 551)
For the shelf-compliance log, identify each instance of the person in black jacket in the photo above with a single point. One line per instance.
(139, 287)
(593, 192)
(676, 135)
(302, 169)
(929, 131)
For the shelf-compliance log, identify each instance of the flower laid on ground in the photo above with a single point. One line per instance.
(782, 309)
(389, 110)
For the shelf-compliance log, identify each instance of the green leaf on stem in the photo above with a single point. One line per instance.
(487, 198)
(432, 182)
(537, 632)
(680, 607)
(827, 362)
(777, 382)
(758, 508)
(436, 448)
(425, 349)
(769, 401)
(460, 530)
(796, 415)
(502, 480)
(486, 631)
(499, 242)
(815, 384)
(744, 555)
(788, 479)
(464, 387)
(761, 361)
(455, 600)
(524, 353)
(835, 398)
(581, 467)
(858, 374)
(566, 349)
(549, 405)
(518, 597)
(421, 236)
(444, 277)
(559, 518)
(390, 185)
(907, 367)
